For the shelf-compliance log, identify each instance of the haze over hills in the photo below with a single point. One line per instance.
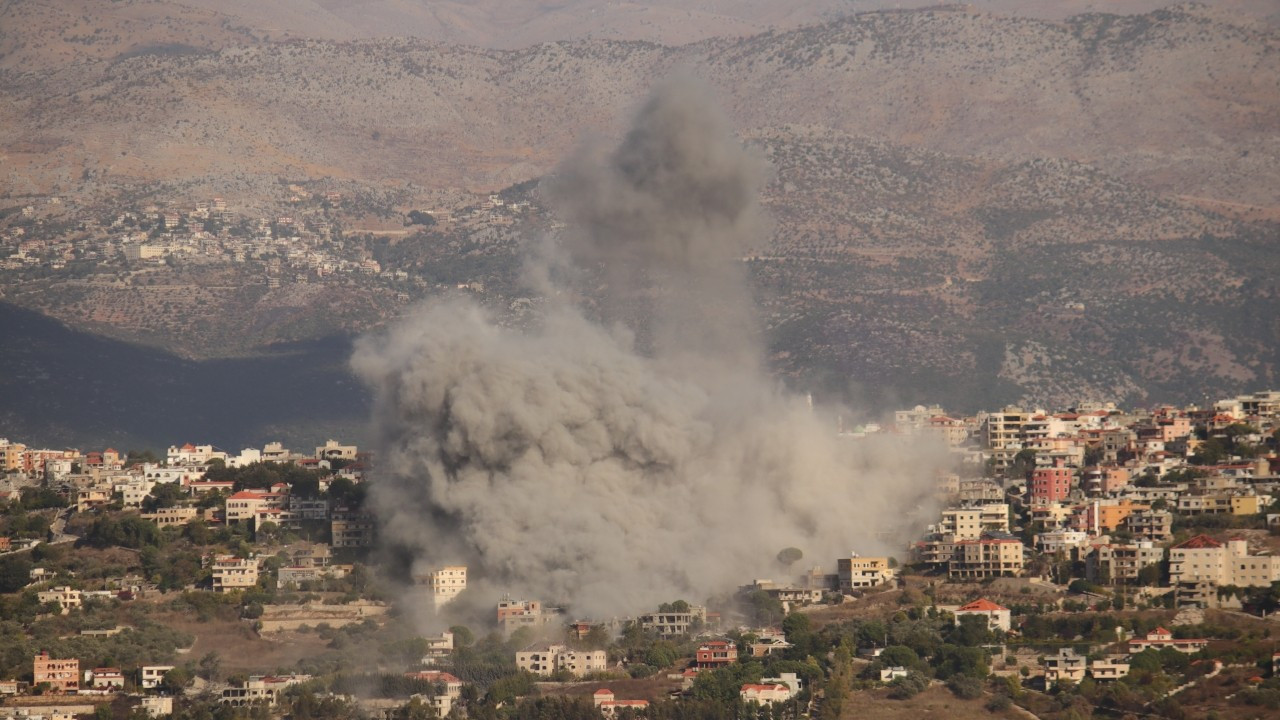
(970, 208)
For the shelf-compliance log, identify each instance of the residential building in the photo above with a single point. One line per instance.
(68, 598)
(104, 678)
(233, 573)
(1061, 540)
(1160, 638)
(986, 557)
(998, 617)
(260, 689)
(157, 706)
(548, 659)
(675, 624)
(1112, 667)
(333, 450)
(351, 528)
(165, 517)
(604, 700)
(1052, 484)
(1066, 665)
(857, 572)
(61, 675)
(764, 693)
(444, 584)
(716, 653)
(152, 676)
(1203, 559)
(1153, 525)
(1121, 563)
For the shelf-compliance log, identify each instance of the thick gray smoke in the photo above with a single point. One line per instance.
(563, 464)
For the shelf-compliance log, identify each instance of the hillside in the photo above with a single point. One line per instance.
(1183, 101)
(969, 208)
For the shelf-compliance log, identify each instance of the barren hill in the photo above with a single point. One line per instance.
(969, 207)
(1179, 100)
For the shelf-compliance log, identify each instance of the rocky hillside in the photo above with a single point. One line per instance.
(969, 208)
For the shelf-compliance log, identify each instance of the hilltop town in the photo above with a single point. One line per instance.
(1095, 560)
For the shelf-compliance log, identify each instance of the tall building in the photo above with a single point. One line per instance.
(62, 676)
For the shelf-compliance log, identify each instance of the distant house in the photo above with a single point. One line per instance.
(998, 617)
(716, 653)
(764, 693)
(604, 700)
(890, 674)
(1160, 638)
(151, 676)
(548, 659)
(1066, 665)
(104, 678)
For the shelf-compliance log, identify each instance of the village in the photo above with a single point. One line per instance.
(1086, 560)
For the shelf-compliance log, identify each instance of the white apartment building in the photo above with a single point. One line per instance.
(153, 675)
(1203, 559)
(446, 583)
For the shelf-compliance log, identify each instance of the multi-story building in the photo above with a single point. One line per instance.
(245, 504)
(444, 584)
(62, 676)
(513, 614)
(233, 573)
(1115, 563)
(333, 450)
(1061, 540)
(548, 659)
(152, 676)
(674, 624)
(986, 557)
(1153, 525)
(165, 517)
(716, 653)
(1051, 484)
(67, 598)
(1066, 665)
(351, 528)
(858, 572)
(1205, 560)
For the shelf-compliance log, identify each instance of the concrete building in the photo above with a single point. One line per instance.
(1121, 563)
(68, 598)
(548, 659)
(446, 583)
(233, 573)
(716, 653)
(151, 676)
(604, 701)
(1160, 638)
(857, 572)
(1052, 484)
(352, 528)
(1066, 665)
(674, 624)
(986, 557)
(61, 675)
(764, 693)
(1203, 559)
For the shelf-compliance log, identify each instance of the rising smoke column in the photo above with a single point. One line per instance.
(564, 464)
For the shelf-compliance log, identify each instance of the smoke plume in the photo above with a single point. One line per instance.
(634, 452)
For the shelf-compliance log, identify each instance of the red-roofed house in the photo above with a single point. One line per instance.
(603, 699)
(716, 653)
(1160, 639)
(764, 694)
(998, 617)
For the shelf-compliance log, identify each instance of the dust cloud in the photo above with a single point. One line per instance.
(634, 450)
